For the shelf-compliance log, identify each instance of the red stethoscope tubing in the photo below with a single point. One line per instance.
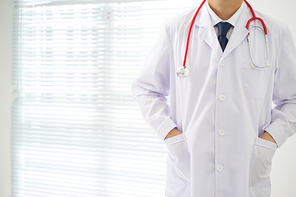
(247, 26)
(255, 18)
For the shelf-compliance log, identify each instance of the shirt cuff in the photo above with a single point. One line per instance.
(277, 132)
(164, 128)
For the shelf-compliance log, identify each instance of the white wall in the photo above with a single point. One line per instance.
(6, 8)
(284, 163)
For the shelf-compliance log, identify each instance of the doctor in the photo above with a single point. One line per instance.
(219, 128)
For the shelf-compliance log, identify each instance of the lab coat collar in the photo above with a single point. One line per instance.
(240, 31)
(207, 32)
(203, 18)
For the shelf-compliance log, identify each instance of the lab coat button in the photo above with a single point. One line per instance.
(221, 132)
(219, 168)
(222, 63)
(222, 97)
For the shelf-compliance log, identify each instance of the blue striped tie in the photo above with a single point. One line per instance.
(223, 29)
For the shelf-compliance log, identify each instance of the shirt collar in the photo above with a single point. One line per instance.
(232, 20)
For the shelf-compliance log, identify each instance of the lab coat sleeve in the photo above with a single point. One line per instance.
(283, 116)
(152, 85)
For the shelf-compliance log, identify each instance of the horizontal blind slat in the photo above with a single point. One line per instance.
(75, 128)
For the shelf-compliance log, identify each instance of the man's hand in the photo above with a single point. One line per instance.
(173, 133)
(267, 136)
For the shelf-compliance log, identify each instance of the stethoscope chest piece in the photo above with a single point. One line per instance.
(182, 72)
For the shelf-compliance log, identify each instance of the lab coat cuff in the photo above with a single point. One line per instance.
(277, 132)
(164, 128)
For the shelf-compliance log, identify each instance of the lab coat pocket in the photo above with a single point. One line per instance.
(255, 80)
(178, 159)
(260, 167)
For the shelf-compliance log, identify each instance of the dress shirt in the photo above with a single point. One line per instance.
(232, 20)
(221, 107)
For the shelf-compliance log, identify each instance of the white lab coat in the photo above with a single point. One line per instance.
(221, 107)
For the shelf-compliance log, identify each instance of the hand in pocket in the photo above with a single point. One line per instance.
(179, 156)
(260, 166)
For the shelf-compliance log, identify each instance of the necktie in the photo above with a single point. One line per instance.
(223, 29)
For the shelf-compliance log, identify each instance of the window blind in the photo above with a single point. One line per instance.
(75, 129)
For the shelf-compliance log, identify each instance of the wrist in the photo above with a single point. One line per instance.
(267, 136)
(173, 133)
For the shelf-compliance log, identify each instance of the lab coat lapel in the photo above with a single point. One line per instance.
(207, 31)
(240, 31)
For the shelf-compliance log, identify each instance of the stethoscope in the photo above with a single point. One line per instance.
(183, 71)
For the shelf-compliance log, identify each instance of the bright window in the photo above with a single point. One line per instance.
(75, 129)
